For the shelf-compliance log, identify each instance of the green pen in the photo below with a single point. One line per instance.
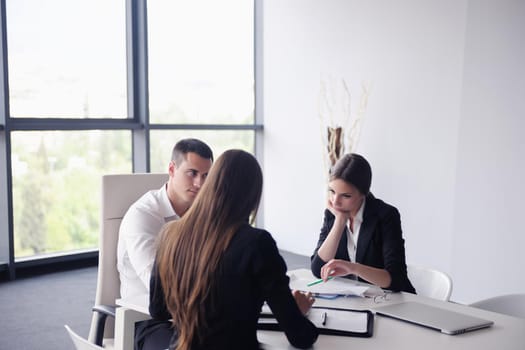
(318, 281)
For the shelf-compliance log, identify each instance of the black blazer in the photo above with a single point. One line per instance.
(380, 243)
(251, 272)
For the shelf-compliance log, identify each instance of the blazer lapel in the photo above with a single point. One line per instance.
(342, 249)
(367, 228)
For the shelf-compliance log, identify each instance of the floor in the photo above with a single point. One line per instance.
(34, 310)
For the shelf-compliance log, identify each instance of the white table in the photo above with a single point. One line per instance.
(507, 333)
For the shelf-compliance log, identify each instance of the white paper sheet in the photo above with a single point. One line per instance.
(339, 319)
(331, 319)
(335, 286)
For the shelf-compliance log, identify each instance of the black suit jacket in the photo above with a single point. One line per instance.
(251, 271)
(380, 243)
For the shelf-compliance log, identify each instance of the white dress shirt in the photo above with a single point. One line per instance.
(353, 232)
(137, 244)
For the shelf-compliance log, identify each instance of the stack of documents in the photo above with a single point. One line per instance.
(334, 287)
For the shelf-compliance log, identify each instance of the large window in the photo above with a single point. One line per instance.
(67, 58)
(56, 186)
(92, 87)
(201, 61)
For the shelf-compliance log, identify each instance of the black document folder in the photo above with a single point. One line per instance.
(331, 321)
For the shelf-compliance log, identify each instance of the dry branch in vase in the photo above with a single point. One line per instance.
(340, 128)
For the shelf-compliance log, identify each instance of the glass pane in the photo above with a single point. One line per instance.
(162, 142)
(56, 186)
(67, 58)
(201, 58)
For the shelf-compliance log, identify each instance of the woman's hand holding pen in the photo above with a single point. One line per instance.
(337, 267)
(304, 300)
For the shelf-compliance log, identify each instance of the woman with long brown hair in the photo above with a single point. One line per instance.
(214, 271)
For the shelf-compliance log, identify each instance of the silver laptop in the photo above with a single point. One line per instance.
(445, 321)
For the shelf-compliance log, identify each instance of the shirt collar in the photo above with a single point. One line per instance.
(167, 210)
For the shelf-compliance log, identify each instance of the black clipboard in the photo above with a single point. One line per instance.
(330, 321)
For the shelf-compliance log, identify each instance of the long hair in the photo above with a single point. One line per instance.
(191, 248)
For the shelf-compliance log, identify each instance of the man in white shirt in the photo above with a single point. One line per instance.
(190, 163)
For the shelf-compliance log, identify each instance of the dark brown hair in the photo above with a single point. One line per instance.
(355, 170)
(186, 146)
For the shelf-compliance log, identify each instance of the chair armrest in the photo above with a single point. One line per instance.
(101, 313)
(125, 327)
(107, 310)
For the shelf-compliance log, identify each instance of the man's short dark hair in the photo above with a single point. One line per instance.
(186, 146)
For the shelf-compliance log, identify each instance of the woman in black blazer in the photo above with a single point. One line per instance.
(214, 271)
(361, 235)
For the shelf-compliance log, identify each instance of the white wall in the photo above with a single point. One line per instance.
(488, 235)
(445, 94)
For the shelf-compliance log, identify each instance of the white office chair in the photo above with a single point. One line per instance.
(118, 193)
(509, 304)
(430, 283)
(81, 343)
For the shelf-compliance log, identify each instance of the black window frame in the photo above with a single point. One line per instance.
(137, 122)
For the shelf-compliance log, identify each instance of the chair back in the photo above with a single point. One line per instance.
(429, 282)
(119, 192)
(508, 304)
(81, 343)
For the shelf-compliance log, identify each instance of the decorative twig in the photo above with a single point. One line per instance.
(339, 131)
